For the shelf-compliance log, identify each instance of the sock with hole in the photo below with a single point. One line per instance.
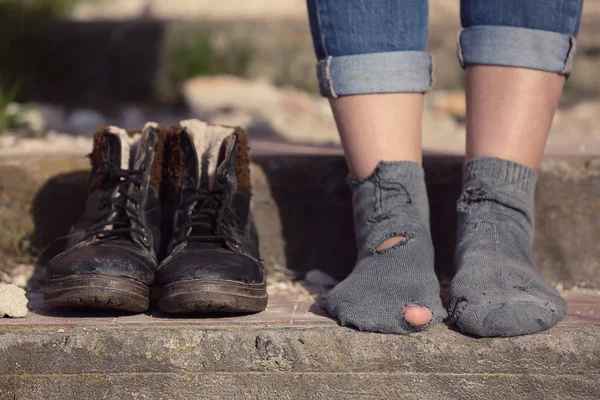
(497, 290)
(391, 203)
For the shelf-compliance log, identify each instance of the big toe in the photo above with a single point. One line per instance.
(509, 318)
(413, 319)
(417, 315)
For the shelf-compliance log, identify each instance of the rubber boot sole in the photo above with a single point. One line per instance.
(98, 291)
(213, 296)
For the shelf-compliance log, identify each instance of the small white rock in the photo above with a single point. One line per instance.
(19, 275)
(54, 116)
(34, 119)
(8, 141)
(13, 302)
(84, 121)
(208, 94)
(12, 108)
(132, 118)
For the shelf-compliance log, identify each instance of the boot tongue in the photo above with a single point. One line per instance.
(111, 144)
(120, 147)
(121, 150)
(140, 143)
(113, 149)
(211, 145)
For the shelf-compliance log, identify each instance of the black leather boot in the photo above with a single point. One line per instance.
(213, 262)
(111, 257)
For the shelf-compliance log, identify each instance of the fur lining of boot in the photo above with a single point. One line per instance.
(242, 161)
(156, 171)
(173, 159)
(99, 154)
(128, 139)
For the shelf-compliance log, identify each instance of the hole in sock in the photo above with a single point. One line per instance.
(378, 218)
(458, 308)
(473, 195)
(392, 242)
(461, 305)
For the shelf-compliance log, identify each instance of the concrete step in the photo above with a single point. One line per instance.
(294, 350)
(303, 211)
(291, 351)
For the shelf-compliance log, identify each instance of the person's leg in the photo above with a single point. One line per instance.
(516, 54)
(379, 127)
(510, 111)
(374, 68)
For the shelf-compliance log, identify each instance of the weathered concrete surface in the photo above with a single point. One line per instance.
(303, 211)
(320, 362)
(326, 386)
(33, 189)
(185, 347)
(292, 350)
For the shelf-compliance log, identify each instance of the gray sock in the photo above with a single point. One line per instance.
(392, 202)
(496, 269)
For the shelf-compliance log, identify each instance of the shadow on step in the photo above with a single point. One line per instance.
(302, 205)
(315, 212)
(55, 208)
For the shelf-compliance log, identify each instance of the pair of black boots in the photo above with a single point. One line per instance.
(165, 207)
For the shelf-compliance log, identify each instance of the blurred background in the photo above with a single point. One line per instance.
(68, 66)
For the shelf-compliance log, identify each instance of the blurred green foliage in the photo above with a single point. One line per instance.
(189, 51)
(196, 55)
(23, 27)
(13, 116)
(8, 120)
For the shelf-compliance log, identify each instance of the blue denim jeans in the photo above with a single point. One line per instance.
(378, 46)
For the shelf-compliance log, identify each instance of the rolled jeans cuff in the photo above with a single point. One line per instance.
(516, 47)
(389, 72)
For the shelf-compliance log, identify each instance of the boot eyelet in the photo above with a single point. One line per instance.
(227, 174)
(141, 188)
(145, 240)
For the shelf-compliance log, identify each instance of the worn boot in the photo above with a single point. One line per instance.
(111, 257)
(213, 262)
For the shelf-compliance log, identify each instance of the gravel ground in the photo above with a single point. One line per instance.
(285, 116)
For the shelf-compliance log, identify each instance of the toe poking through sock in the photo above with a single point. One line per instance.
(417, 315)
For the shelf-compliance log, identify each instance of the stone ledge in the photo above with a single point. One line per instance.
(301, 348)
(314, 386)
(67, 355)
(290, 351)
(292, 335)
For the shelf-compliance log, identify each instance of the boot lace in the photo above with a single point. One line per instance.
(116, 219)
(204, 220)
